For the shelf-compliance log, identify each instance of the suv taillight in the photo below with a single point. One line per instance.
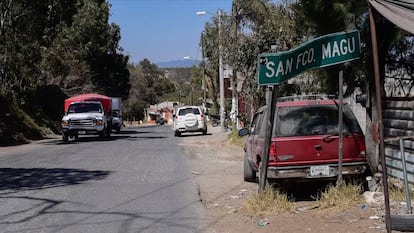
(361, 146)
(272, 151)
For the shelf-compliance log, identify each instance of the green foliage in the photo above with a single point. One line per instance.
(52, 49)
(45, 105)
(235, 139)
(64, 43)
(69, 45)
(149, 85)
(135, 110)
(16, 126)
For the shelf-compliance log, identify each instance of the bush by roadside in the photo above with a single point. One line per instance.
(17, 127)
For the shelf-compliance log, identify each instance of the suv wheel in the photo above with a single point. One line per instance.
(177, 133)
(248, 174)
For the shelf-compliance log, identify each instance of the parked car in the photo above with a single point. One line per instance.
(161, 121)
(304, 142)
(189, 119)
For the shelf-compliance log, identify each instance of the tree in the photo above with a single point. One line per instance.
(260, 24)
(21, 29)
(319, 18)
(61, 42)
(148, 86)
(52, 49)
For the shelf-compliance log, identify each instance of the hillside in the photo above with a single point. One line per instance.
(16, 127)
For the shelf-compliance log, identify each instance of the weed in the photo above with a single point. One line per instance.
(269, 201)
(340, 196)
(235, 139)
(396, 190)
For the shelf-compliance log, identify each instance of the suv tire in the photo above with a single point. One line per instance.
(248, 174)
(402, 222)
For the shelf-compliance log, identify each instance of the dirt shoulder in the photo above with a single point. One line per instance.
(218, 169)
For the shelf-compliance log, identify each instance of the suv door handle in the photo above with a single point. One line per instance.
(318, 147)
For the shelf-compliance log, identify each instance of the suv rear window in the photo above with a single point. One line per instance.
(313, 120)
(185, 111)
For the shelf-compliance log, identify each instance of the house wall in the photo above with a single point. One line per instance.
(398, 120)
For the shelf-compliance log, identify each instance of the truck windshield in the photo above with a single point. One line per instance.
(84, 107)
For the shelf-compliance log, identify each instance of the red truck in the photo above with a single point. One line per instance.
(87, 114)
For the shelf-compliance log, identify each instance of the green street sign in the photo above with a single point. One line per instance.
(327, 50)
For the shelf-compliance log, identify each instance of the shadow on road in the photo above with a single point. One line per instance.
(194, 135)
(123, 135)
(20, 179)
(129, 131)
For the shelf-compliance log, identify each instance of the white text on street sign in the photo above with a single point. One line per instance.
(326, 50)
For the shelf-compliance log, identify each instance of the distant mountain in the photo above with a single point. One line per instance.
(186, 63)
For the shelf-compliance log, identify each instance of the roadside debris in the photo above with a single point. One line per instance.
(263, 222)
(373, 198)
(195, 173)
(364, 207)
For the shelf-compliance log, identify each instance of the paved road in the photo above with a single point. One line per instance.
(138, 181)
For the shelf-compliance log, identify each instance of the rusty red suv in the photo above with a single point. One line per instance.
(304, 143)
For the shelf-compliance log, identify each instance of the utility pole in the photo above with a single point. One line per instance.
(221, 75)
(234, 97)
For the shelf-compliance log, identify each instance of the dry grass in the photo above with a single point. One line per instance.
(334, 198)
(268, 202)
(235, 139)
(396, 190)
(340, 197)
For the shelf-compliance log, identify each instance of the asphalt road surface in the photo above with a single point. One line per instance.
(138, 181)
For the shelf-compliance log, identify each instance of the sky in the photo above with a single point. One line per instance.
(163, 30)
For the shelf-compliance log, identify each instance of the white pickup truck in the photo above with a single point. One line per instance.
(87, 114)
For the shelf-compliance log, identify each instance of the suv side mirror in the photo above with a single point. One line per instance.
(244, 132)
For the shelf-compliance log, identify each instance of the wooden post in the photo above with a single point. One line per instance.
(271, 107)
